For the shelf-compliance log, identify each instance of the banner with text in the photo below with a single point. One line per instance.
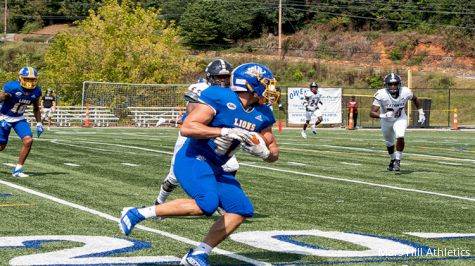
(331, 109)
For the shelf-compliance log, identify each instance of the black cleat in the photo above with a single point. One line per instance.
(391, 165)
(397, 165)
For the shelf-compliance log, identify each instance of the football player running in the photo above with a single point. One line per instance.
(388, 104)
(227, 114)
(16, 96)
(312, 104)
(218, 73)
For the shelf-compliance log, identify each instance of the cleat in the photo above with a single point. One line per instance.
(160, 121)
(314, 130)
(128, 219)
(304, 135)
(19, 173)
(397, 165)
(195, 260)
(391, 165)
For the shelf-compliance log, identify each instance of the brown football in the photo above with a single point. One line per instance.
(255, 139)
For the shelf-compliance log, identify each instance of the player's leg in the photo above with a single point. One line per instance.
(238, 207)
(319, 116)
(388, 134)
(308, 116)
(355, 120)
(170, 183)
(399, 130)
(50, 114)
(5, 129)
(197, 179)
(22, 128)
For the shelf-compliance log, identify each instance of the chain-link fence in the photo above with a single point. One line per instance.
(438, 104)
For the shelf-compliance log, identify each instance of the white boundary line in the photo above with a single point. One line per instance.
(308, 174)
(145, 228)
(360, 182)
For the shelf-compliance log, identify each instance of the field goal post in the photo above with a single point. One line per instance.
(120, 98)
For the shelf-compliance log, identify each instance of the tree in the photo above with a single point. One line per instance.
(119, 43)
(215, 21)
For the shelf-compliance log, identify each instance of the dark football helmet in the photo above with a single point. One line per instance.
(392, 83)
(218, 73)
(313, 87)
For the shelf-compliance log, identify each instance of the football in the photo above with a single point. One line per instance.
(257, 137)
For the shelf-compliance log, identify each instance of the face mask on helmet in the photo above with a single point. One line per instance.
(218, 73)
(392, 83)
(256, 79)
(28, 78)
(314, 87)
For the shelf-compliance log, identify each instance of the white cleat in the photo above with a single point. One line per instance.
(304, 135)
(19, 173)
(160, 121)
(314, 130)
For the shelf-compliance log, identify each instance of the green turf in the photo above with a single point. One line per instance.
(331, 182)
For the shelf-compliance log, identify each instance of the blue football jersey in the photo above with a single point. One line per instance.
(15, 105)
(229, 113)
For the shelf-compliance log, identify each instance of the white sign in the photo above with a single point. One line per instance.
(331, 109)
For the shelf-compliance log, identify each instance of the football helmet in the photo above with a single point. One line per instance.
(217, 72)
(256, 79)
(28, 77)
(392, 83)
(313, 86)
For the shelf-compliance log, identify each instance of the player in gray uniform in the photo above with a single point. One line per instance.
(218, 72)
(388, 104)
(312, 105)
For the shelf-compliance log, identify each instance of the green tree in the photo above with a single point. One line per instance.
(215, 21)
(119, 43)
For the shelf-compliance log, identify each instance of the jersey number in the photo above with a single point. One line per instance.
(19, 108)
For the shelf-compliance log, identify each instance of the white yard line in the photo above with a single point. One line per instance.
(130, 164)
(72, 164)
(356, 164)
(314, 175)
(145, 228)
(295, 163)
(360, 182)
(9, 164)
(447, 163)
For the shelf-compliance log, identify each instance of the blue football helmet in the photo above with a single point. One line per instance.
(28, 77)
(256, 79)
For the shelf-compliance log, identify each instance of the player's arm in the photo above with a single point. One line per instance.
(36, 111)
(196, 123)
(273, 147)
(4, 95)
(417, 102)
(374, 112)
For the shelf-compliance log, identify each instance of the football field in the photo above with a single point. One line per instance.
(328, 200)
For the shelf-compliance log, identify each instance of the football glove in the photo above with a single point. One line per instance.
(422, 117)
(388, 114)
(259, 150)
(222, 144)
(39, 129)
(235, 133)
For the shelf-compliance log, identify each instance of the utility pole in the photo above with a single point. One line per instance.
(280, 27)
(5, 21)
